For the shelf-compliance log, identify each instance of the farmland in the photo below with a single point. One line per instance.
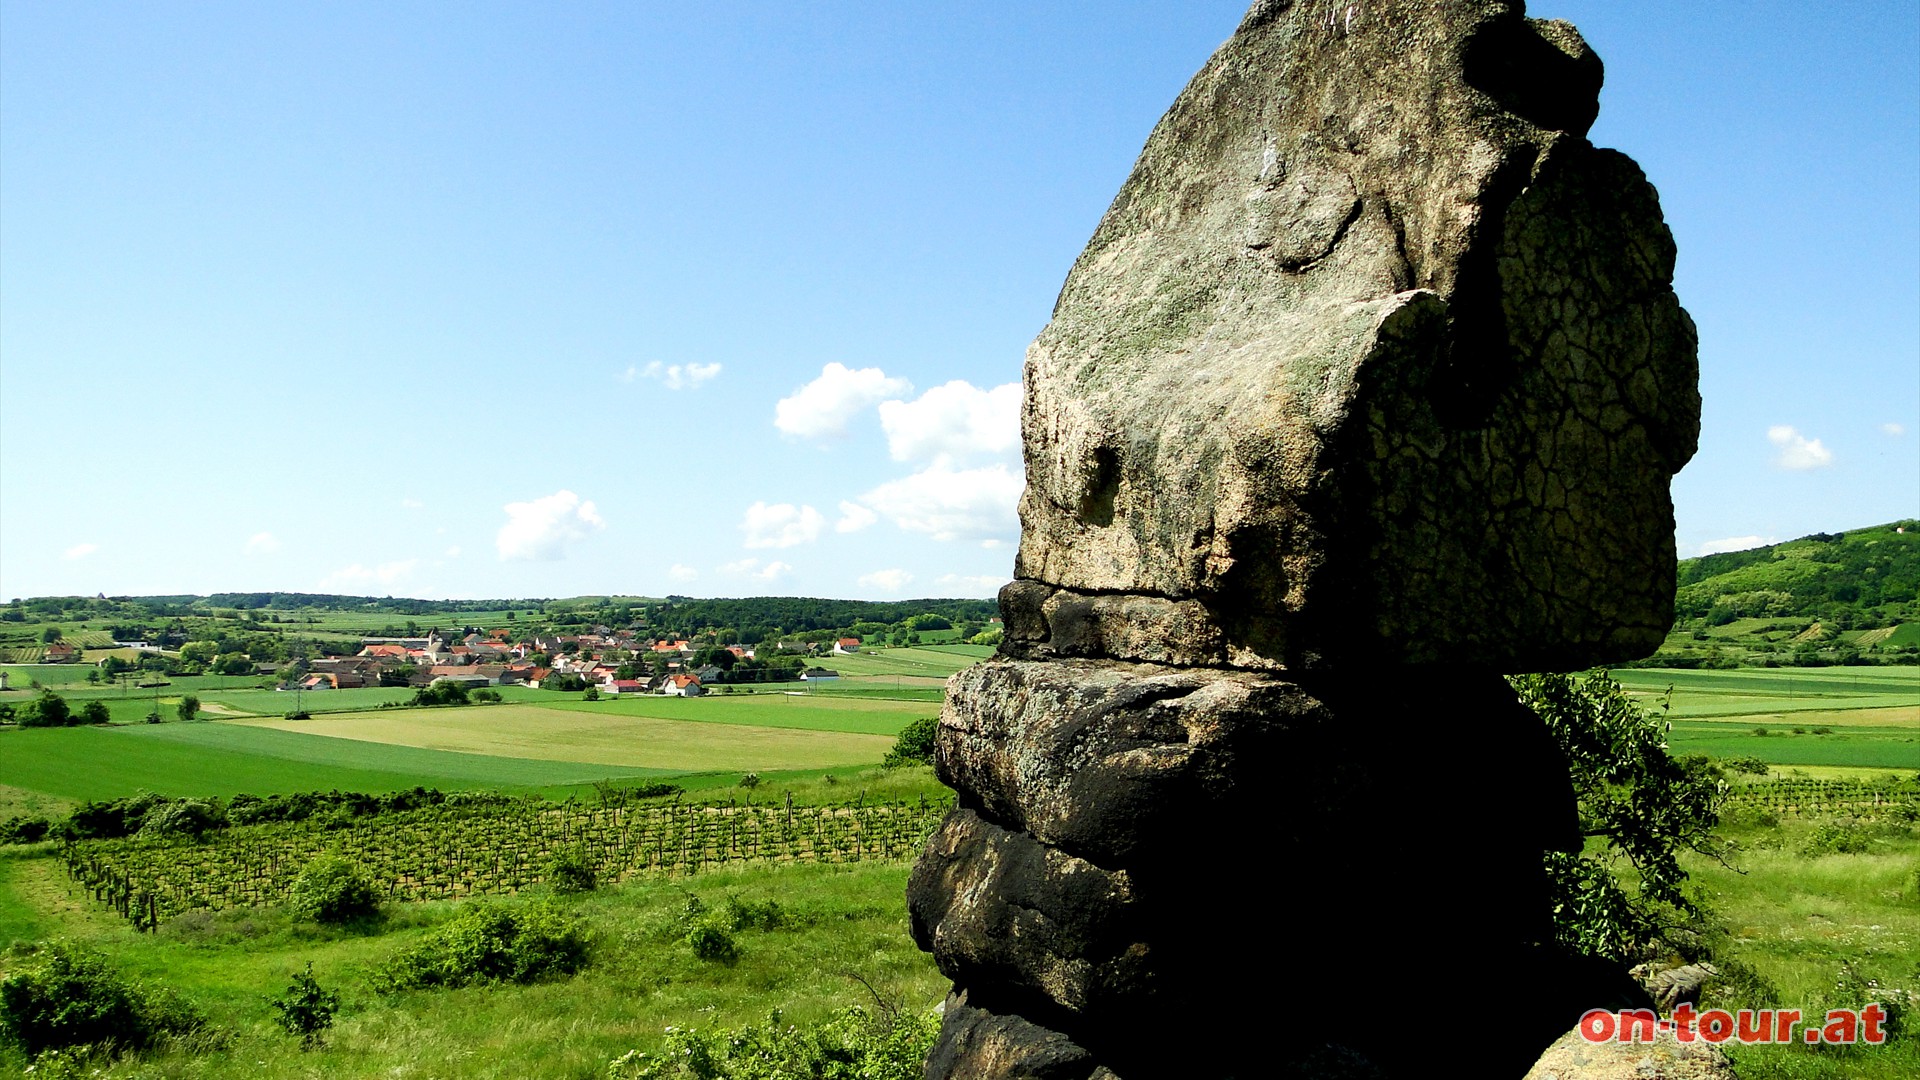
(1852, 718)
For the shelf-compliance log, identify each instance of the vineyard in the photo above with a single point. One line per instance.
(448, 852)
(1807, 798)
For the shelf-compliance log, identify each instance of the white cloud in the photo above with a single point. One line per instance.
(973, 584)
(675, 376)
(682, 572)
(780, 525)
(453, 552)
(262, 543)
(854, 517)
(752, 568)
(358, 576)
(543, 528)
(79, 551)
(822, 408)
(886, 580)
(1796, 450)
(952, 504)
(1895, 430)
(412, 503)
(1731, 543)
(957, 420)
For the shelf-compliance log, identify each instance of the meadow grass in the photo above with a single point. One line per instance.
(858, 713)
(590, 734)
(937, 661)
(1858, 746)
(837, 922)
(222, 758)
(1795, 918)
(1751, 691)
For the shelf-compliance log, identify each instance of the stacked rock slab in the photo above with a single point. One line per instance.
(1368, 388)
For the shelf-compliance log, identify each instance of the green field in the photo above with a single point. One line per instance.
(599, 737)
(226, 759)
(1751, 692)
(924, 661)
(1865, 717)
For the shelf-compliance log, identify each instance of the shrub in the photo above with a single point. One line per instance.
(914, 744)
(710, 941)
(570, 871)
(67, 997)
(95, 712)
(333, 889)
(751, 780)
(738, 914)
(1835, 838)
(47, 710)
(1647, 805)
(24, 830)
(882, 1045)
(307, 1009)
(487, 944)
(182, 817)
(441, 693)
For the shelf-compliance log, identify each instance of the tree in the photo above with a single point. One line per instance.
(189, 708)
(50, 635)
(95, 712)
(47, 710)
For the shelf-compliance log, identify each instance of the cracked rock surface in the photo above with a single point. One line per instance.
(1373, 355)
(1368, 388)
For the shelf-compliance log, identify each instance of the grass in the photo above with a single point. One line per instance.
(930, 661)
(226, 759)
(601, 733)
(840, 922)
(864, 714)
(1751, 691)
(1796, 918)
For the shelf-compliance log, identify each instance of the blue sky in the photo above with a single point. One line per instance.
(496, 300)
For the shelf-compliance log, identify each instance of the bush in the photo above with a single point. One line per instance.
(95, 712)
(441, 693)
(1648, 806)
(67, 997)
(486, 944)
(47, 710)
(570, 871)
(1835, 838)
(711, 941)
(883, 1045)
(307, 1009)
(182, 817)
(914, 744)
(24, 830)
(333, 889)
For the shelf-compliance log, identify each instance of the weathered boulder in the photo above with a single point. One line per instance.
(1572, 1057)
(1374, 355)
(1368, 387)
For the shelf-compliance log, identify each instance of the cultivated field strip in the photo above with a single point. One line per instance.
(440, 853)
(1802, 797)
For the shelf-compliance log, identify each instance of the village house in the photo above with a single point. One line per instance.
(847, 646)
(682, 686)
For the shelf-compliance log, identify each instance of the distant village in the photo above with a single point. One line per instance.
(613, 661)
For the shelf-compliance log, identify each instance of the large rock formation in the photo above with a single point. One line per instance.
(1373, 366)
